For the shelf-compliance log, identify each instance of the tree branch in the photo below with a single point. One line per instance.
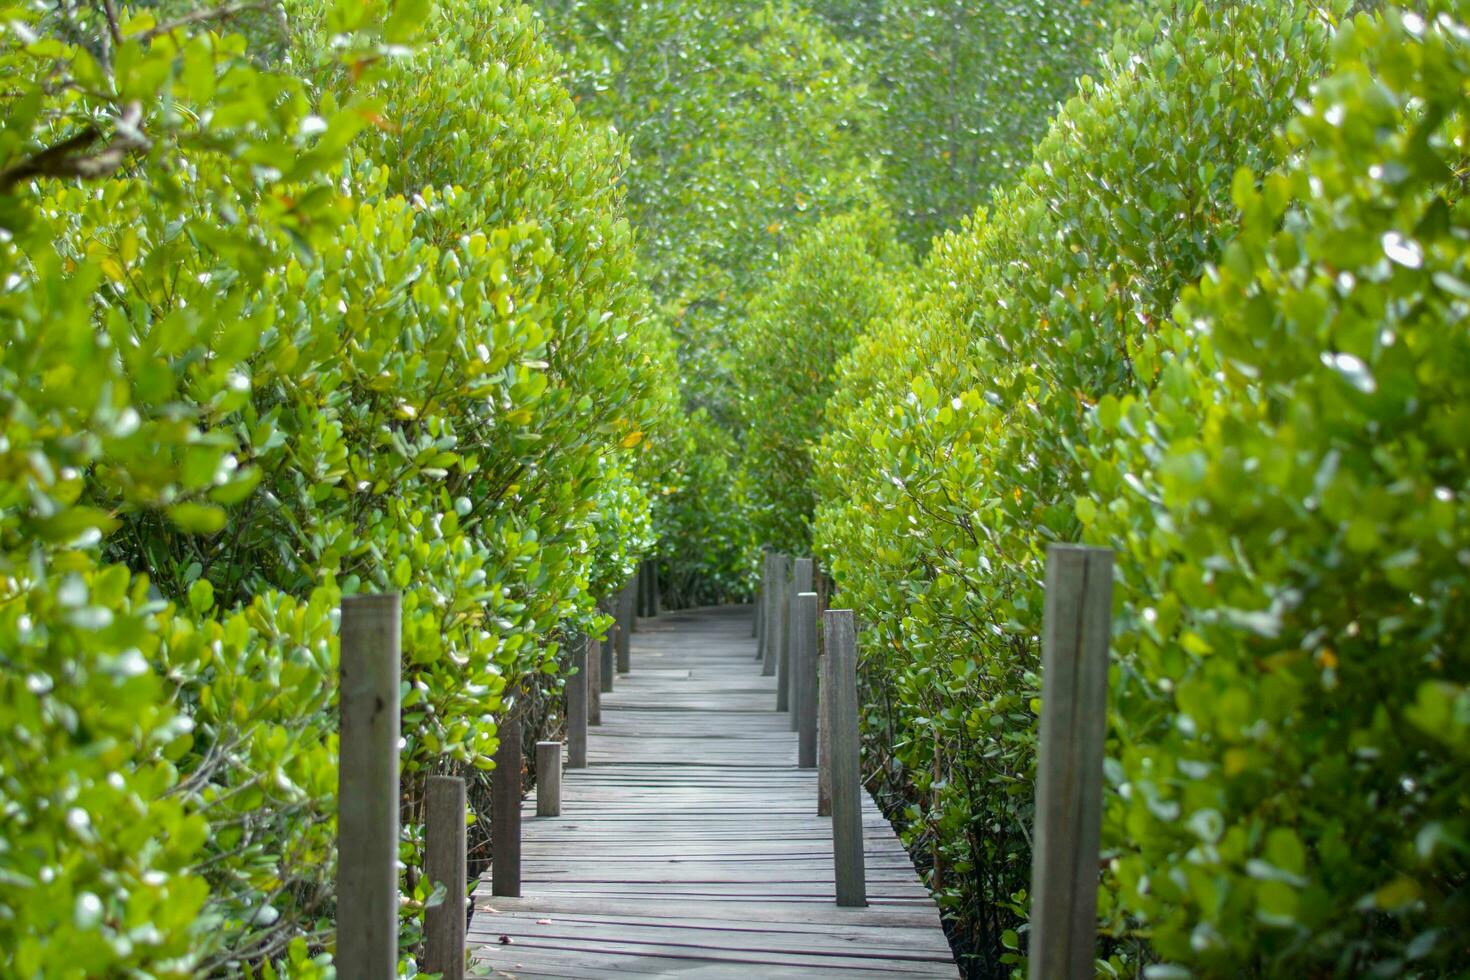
(70, 159)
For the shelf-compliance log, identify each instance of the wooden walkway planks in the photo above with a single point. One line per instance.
(691, 846)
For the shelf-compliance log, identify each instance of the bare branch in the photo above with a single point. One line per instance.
(204, 15)
(70, 158)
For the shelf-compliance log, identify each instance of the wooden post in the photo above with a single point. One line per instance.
(1076, 627)
(847, 777)
(774, 625)
(505, 809)
(763, 607)
(824, 736)
(626, 622)
(548, 779)
(824, 711)
(783, 649)
(806, 680)
(801, 581)
(609, 658)
(593, 655)
(755, 620)
(577, 705)
(657, 599)
(444, 864)
(630, 604)
(367, 788)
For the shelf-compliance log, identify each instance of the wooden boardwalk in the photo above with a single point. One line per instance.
(691, 847)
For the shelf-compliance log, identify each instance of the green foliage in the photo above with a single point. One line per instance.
(745, 123)
(963, 90)
(267, 359)
(1288, 500)
(704, 520)
(743, 120)
(837, 278)
(949, 470)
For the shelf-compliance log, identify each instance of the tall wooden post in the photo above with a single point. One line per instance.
(577, 704)
(609, 607)
(367, 788)
(593, 656)
(548, 779)
(626, 623)
(824, 708)
(444, 864)
(505, 809)
(847, 777)
(1076, 629)
(806, 679)
(763, 607)
(801, 581)
(775, 625)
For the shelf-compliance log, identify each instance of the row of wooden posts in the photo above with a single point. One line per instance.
(369, 790)
(817, 683)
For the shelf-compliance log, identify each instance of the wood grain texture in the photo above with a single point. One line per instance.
(709, 860)
(847, 776)
(801, 581)
(806, 680)
(367, 787)
(505, 810)
(444, 863)
(594, 681)
(576, 690)
(548, 779)
(627, 623)
(775, 624)
(1076, 629)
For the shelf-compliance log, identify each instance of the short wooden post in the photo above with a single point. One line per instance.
(593, 654)
(444, 864)
(626, 622)
(505, 809)
(577, 705)
(775, 625)
(1076, 628)
(548, 779)
(801, 581)
(847, 777)
(367, 787)
(806, 680)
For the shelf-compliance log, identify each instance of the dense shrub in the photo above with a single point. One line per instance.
(962, 90)
(746, 125)
(944, 484)
(265, 365)
(1288, 500)
(837, 278)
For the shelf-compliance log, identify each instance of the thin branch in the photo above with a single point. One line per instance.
(203, 15)
(68, 159)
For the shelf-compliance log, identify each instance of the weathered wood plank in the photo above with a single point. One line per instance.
(1076, 627)
(710, 859)
(367, 786)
